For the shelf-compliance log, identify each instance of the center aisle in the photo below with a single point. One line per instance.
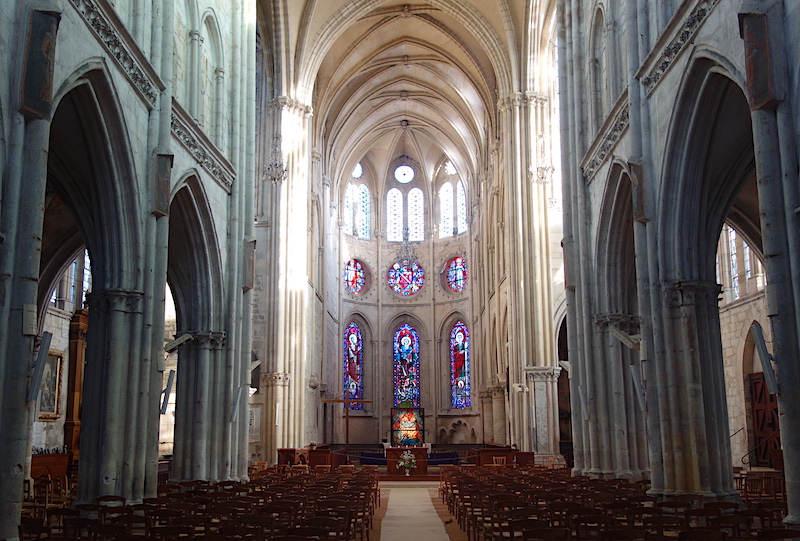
(410, 515)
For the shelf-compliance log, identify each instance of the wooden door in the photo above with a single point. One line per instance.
(765, 421)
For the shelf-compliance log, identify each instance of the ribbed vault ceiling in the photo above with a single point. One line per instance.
(397, 78)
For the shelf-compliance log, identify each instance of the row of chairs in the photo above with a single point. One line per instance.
(505, 504)
(335, 506)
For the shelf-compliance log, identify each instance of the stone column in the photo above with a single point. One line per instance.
(201, 412)
(110, 394)
(543, 396)
(274, 386)
(694, 415)
(499, 415)
(77, 358)
(765, 29)
(487, 416)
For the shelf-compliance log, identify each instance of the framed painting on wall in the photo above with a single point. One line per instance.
(50, 388)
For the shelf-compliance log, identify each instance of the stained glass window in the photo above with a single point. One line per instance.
(406, 277)
(457, 274)
(362, 214)
(460, 366)
(404, 174)
(406, 367)
(349, 208)
(446, 210)
(461, 207)
(358, 170)
(354, 276)
(353, 366)
(416, 215)
(449, 168)
(394, 215)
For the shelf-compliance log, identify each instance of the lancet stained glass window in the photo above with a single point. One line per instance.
(349, 209)
(354, 276)
(353, 366)
(446, 210)
(356, 211)
(457, 274)
(406, 367)
(405, 277)
(394, 215)
(460, 366)
(362, 212)
(416, 215)
(461, 207)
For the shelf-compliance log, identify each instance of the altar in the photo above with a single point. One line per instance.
(393, 455)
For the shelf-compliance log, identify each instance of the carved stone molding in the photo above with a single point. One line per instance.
(691, 293)
(201, 148)
(285, 103)
(543, 374)
(624, 322)
(520, 99)
(609, 135)
(111, 33)
(276, 379)
(116, 300)
(657, 66)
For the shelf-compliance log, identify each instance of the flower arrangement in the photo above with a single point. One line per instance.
(407, 461)
(312, 444)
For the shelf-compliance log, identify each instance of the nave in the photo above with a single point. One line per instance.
(480, 503)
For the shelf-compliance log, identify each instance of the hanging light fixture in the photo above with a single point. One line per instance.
(275, 170)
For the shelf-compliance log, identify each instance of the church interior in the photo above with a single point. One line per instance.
(241, 235)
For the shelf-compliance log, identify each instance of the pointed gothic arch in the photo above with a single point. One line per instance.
(710, 160)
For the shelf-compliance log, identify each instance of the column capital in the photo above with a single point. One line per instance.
(115, 300)
(276, 379)
(289, 104)
(623, 322)
(691, 293)
(547, 374)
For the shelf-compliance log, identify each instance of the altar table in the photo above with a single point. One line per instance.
(393, 454)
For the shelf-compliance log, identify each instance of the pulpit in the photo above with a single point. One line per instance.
(393, 455)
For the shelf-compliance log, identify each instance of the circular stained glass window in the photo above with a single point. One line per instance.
(354, 276)
(404, 174)
(457, 274)
(405, 277)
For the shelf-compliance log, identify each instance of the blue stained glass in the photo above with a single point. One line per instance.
(362, 214)
(394, 216)
(406, 367)
(446, 210)
(461, 207)
(353, 366)
(406, 277)
(460, 366)
(416, 215)
(457, 274)
(354, 276)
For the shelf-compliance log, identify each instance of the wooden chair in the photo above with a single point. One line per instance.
(133, 524)
(335, 527)
(702, 535)
(778, 533)
(699, 518)
(624, 534)
(547, 534)
(171, 533)
(33, 532)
